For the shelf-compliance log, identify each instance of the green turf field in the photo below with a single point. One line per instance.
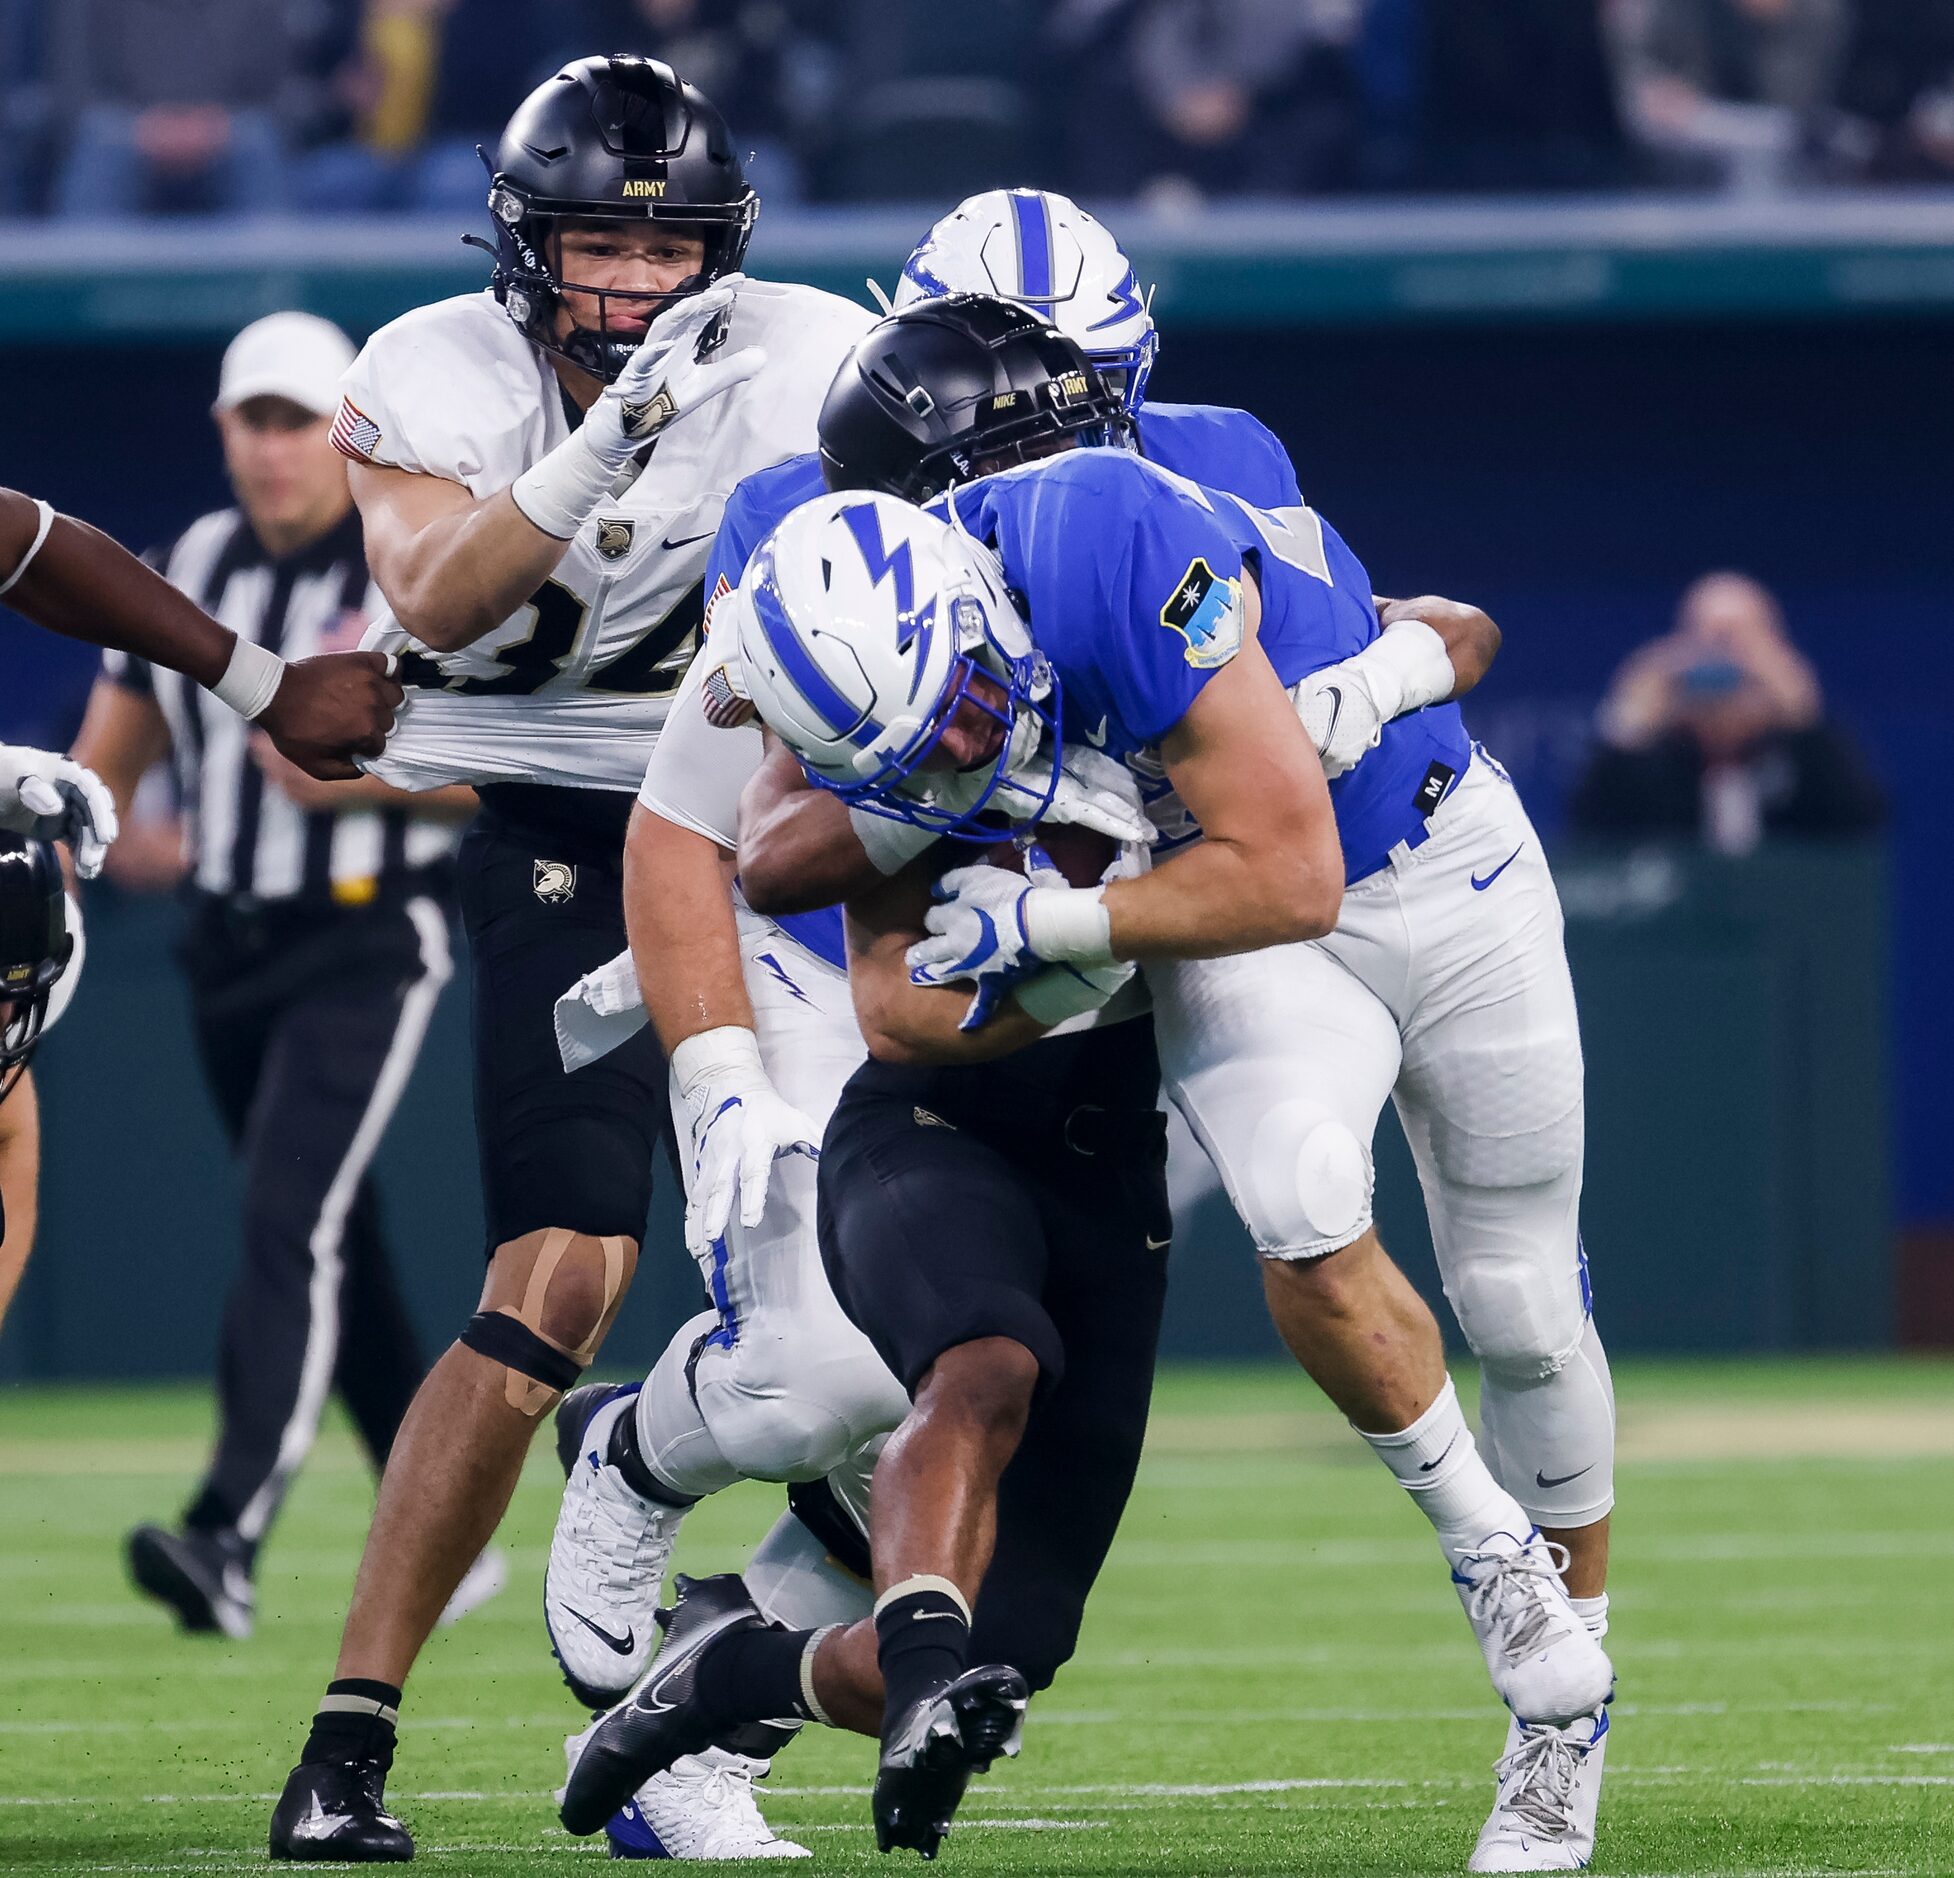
(1275, 1677)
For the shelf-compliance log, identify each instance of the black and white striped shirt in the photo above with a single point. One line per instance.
(245, 838)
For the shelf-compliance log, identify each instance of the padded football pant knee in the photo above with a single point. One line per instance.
(1280, 1061)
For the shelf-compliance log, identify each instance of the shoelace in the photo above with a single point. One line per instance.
(1541, 1770)
(725, 1788)
(614, 1520)
(1513, 1594)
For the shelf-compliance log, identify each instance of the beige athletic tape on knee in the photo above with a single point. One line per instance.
(524, 1393)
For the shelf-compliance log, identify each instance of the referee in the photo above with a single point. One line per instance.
(317, 947)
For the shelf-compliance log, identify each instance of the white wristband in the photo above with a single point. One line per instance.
(1408, 668)
(712, 1055)
(889, 844)
(251, 680)
(560, 493)
(33, 547)
(1069, 923)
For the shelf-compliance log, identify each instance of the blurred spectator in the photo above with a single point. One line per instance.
(24, 103)
(175, 104)
(1896, 94)
(424, 83)
(1718, 730)
(1222, 97)
(773, 68)
(1727, 90)
(1519, 96)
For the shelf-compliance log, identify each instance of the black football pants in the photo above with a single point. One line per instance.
(308, 1029)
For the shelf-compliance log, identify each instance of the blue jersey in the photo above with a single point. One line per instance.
(1131, 578)
(1210, 443)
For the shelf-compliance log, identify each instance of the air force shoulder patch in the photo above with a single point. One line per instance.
(1206, 610)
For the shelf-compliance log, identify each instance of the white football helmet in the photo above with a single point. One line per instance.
(1047, 253)
(861, 622)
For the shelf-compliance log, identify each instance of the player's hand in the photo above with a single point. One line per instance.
(665, 379)
(329, 709)
(1098, 793)
(977, 929)
(741, 1125)
(1340, 715)
(48, 798)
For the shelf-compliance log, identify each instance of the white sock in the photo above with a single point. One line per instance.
(1437, 1462)
(1594, 1613)
(798, 1584)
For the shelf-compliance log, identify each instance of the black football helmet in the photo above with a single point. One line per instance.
(611, 139)
(952, 384)
(35, 948)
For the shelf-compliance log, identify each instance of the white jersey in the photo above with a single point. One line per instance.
(574, 686)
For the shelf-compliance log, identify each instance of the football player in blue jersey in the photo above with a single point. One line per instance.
(1144, 589)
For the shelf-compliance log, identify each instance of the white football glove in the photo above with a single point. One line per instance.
(663, 381)
(1339, 716)
(1345, 706)
(48, 798)
(741, 1125)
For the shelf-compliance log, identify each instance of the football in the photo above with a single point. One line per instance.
(1082, 855)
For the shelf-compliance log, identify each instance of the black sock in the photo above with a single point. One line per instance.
(754, 1676)
(356, 1722)
(628, 1458)
(922, 1642)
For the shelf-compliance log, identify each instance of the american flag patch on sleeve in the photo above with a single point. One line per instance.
(354, 434)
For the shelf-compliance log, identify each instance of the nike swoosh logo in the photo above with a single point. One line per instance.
(685, 541)
(1561, 1480)
(1336, 710)
(1097, 738)
(923, 1617)
(1425, 1467)
(1479, 885)
(1159, 1245)
(622, 1645)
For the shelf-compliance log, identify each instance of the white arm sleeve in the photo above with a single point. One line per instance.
(696, 773)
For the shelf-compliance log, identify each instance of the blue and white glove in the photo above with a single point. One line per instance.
(991, 924)
(740, 1125)
(49, 798)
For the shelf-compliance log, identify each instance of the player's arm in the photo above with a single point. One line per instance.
(74, 580)
(20, 1160)
(803, 848)
(1269, 870)
(1431, 649)
(1467, 633)
(678, 912)
(452, 566)
(904, 1022)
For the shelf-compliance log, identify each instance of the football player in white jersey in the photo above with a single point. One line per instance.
(1491, 1085)
(540, 469)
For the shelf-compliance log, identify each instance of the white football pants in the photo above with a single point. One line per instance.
(1445, 986)
(774, 1382)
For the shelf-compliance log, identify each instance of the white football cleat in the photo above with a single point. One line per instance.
(607, 1559)
(702, 1806)
(1549, 1793)
(1544, 1664)
(487, 1578)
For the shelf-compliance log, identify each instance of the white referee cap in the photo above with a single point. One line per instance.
(285, 355)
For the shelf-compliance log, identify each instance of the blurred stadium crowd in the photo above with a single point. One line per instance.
(113, 107)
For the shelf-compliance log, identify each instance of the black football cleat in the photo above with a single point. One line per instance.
(573, 1415)
(337, 1810)
(204, 1577)
(931, 1752)
(661, 1719)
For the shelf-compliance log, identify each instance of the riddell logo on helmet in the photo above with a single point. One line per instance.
(632, 189)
